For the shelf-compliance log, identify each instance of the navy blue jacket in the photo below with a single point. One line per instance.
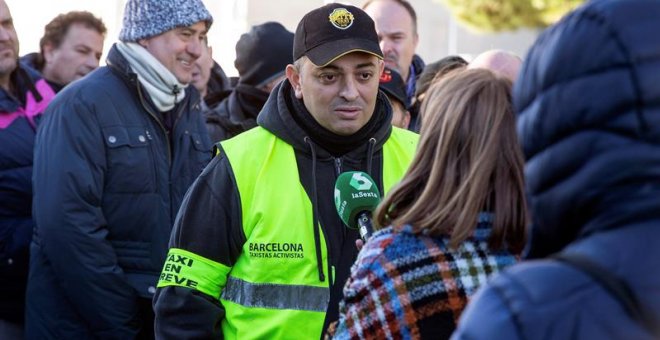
(108, 183)
(588, 100)
(18, 118)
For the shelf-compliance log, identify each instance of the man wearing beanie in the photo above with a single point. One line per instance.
(114, 157)
(258, 250)
(261, 57)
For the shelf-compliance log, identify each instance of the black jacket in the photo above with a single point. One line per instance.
(236, 113)
(182, 312)
(108, 182)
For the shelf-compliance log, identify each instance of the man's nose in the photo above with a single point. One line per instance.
(386, 46)
(91, 62)
(349, 89)
(4, 34)
(194, 48)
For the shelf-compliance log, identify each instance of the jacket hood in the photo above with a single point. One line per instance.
(276, 117)
(588, 100)
(23, 78)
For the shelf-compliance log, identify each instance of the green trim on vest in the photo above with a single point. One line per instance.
(185, 269)
(275, 279)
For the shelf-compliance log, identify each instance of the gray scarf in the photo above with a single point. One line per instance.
(163, 87)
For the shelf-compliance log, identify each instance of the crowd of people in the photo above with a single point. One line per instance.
(156, 197)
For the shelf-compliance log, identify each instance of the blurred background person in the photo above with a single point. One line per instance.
(261, 58)
(392, 84)
(24, 95)
(70, 48)
(502, 62)
(114, 156)
(396, 25)
(588, 111)
(209, 78)
(457, 217)
(432, 73)
(202, 72)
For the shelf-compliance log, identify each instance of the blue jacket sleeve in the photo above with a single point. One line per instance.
(68, 179)
(487, 316)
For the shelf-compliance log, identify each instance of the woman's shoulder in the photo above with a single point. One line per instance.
(396, 242)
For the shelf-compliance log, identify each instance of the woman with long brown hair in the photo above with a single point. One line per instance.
(457, 217)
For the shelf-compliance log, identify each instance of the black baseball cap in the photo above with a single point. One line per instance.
(332, 31)
(392, 84)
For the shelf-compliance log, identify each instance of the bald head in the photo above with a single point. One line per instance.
(504, 63)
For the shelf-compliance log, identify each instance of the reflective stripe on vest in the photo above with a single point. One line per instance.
(275, 278)
(276, 296)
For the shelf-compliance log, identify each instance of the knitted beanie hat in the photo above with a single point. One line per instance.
(263, 53)
(148, 18)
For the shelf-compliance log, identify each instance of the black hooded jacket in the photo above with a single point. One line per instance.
(236, 113)
(213, 206)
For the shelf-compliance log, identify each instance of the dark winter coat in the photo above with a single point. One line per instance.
(588, 100)
(109, 179)
(236, 113)
(19, 117)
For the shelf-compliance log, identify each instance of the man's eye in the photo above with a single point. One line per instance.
(366, 75)
(328, 77)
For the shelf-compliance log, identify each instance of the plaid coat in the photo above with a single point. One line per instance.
(407, 285)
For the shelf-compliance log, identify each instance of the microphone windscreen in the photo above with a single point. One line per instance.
(355, 192)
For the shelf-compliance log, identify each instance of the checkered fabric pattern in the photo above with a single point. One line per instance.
(407, 285)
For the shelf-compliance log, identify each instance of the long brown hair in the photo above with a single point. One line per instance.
(468, 160)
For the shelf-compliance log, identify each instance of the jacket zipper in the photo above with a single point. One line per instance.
(146, 107)
(337, 166)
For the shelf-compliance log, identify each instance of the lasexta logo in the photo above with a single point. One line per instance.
(360, 182)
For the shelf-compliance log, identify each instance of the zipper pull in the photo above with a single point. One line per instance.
(338, 165)
(146, 132)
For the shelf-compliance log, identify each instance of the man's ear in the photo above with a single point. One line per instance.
(406, 119)
(293, 76)
(47, 52)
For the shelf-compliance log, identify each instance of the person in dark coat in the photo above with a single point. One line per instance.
(588, 103)
(396, 24)
(114, 157)
(209, 78)
(261, 58)
(24, 96)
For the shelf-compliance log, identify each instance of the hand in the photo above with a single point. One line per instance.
(359, 244)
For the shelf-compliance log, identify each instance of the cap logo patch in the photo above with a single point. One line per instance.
(386, 76)
(341, 18)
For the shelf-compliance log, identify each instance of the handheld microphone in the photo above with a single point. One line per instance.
(356, 196)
